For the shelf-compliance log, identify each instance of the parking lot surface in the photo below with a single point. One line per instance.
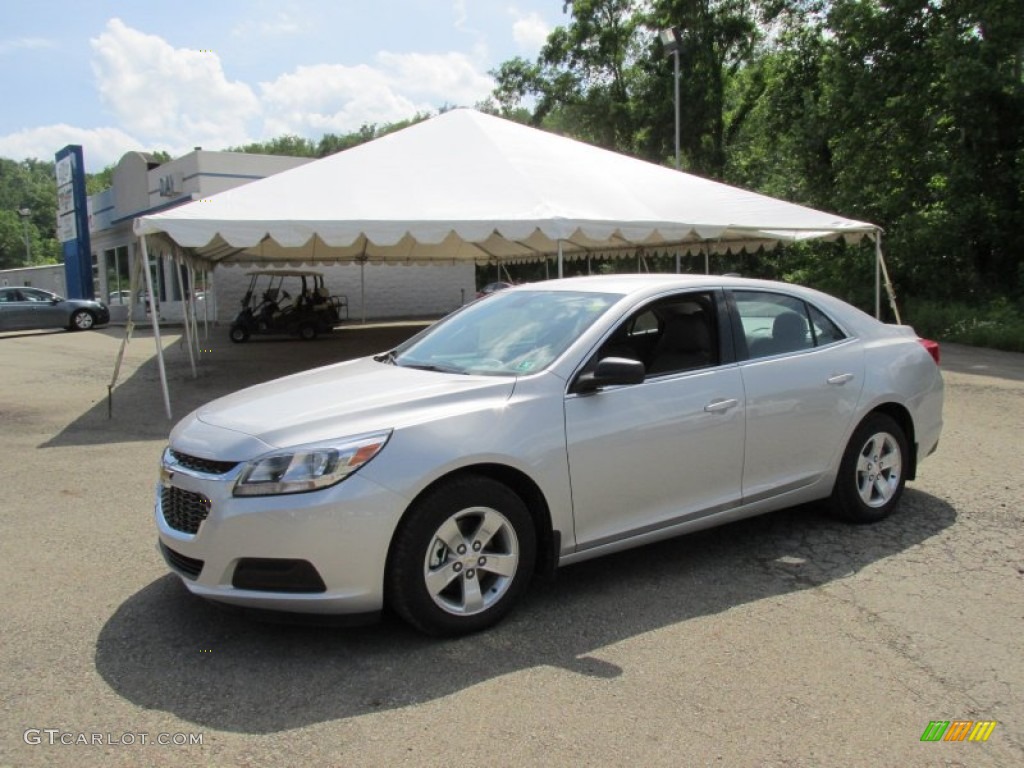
(785, 640)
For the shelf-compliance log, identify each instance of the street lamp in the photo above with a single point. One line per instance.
(25, 214)
(673, 43)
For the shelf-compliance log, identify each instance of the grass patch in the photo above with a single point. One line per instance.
(997, 325)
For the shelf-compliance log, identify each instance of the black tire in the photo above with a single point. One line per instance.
(82, 320)
(872, 474)
(307, 331)
(466, 595)
(239, 334)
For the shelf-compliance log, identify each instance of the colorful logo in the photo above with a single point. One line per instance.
(958, 730)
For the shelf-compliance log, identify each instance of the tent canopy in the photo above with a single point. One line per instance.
(470, 186)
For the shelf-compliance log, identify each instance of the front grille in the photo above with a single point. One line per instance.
(183, 510)
(187, 566)
(209, 466)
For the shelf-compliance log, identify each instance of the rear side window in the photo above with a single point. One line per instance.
(776, 324)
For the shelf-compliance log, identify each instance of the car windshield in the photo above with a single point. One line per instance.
(508, 333)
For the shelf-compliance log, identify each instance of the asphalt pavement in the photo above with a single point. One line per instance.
(785, 640)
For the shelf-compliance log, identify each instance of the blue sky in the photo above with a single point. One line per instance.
(118, 75)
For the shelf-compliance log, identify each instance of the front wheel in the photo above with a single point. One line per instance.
(462, 557)
(307, 331)
(871, 475)
(239, 333)
(82, 320)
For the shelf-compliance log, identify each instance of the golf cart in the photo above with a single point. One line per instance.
(290, 302)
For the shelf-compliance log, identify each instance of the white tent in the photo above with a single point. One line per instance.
(470, 186)
(467, 185)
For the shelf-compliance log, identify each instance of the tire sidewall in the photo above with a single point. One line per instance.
(77, 317)
(406, 591)
(846, 500)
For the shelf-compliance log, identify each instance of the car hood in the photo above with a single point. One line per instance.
(339, 400)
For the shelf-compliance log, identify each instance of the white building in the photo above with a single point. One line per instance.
(142, 185)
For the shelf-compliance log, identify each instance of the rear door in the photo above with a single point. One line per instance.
(802, 375)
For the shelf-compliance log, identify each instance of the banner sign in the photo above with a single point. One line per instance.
(73, 223)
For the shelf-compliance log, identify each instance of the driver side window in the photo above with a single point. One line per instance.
(668, 336)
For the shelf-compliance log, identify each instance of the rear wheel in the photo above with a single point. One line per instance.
(239, 333)
(871, 475)
(462, 557)
(307, 331)
(82, 320)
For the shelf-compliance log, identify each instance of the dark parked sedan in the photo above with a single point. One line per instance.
(23, 308)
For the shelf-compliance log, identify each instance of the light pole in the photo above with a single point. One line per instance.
(673, 43)
(25, 214)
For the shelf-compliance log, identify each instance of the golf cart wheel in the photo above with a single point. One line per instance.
(307, 331)
(239, 334)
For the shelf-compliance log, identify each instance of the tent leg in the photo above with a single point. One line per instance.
(133, 290)
(362, 288)
(155, 319)
(560, 260)
(889, 290)
(185, 306)
(878, 275)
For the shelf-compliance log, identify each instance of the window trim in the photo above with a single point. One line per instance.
(740, 339)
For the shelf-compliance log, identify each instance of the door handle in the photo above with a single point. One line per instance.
(720, 406)
(840, 378)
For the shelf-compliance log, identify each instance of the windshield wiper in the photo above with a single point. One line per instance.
(430, 367)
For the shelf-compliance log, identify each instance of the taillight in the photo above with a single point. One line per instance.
(932, 347)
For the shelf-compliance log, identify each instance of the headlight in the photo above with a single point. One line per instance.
(308, 467)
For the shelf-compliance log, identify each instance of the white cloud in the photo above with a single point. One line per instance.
(530, 31)
(336, 98)
(162, 97)
(166, 95)
(101, 146)
(283, 24)
(26, 44)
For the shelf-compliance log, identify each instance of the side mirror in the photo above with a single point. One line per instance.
(610, 372)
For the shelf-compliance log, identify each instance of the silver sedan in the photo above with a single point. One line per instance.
(549, 424)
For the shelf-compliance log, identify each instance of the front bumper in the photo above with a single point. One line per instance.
(321, 552)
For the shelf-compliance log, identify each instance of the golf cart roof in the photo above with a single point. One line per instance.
(284, 273)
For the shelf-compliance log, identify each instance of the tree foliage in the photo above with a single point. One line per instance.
(29, 186)
(906, 113)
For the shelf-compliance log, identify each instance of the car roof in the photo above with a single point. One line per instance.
(630, 284)
(643, 286)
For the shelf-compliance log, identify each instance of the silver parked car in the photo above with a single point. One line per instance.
(25, 308)
(549, 424)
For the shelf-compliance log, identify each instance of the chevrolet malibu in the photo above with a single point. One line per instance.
(548, 424)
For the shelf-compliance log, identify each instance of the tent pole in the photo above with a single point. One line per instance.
(362, 288)
(560, 259)
(154, 318)
(185, 304)
(133, 289)
(878, 275)
(889, 290)
(679, 261)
